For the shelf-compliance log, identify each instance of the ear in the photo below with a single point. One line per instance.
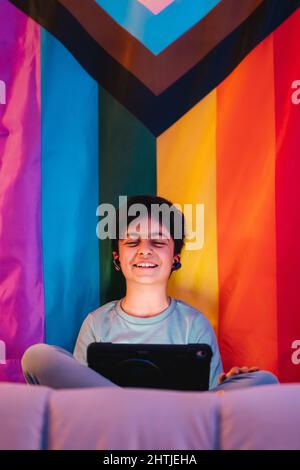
(115, 255)
(177, 258)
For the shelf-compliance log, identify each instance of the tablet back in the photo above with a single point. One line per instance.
(166, 366)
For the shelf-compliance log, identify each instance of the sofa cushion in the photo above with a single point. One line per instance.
(266, 417)
(23, 410)
(130, 418)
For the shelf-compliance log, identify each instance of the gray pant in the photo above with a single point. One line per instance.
(55, 367)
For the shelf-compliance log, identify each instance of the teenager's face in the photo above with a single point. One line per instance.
(146, 253)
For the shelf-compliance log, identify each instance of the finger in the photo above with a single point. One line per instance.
(222, 377)
(233, 371)
(245, 369)
(253, 369)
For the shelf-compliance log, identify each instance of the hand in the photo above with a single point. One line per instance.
(236, 371)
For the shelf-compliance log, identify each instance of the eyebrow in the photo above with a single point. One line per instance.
(152, 235)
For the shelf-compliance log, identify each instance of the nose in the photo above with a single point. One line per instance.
(144, 248)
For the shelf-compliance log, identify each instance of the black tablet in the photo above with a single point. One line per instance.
(163, 366)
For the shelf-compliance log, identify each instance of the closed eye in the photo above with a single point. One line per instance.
(157, 243)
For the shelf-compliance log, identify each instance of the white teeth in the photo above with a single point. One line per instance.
(145, 265)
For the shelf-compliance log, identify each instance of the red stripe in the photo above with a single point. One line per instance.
(287, 69)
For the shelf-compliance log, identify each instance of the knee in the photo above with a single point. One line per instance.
(35, 356)
(264, 377)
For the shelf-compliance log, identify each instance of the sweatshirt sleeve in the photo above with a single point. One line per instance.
(207, 336)
(86, 336)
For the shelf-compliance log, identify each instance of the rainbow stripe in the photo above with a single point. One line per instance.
(246, 153)
(197, 121)
(21, 274)
(287, 171)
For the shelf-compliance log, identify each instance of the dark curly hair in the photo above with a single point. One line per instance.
(176, 216)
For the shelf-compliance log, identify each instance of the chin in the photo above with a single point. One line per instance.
(151, 279)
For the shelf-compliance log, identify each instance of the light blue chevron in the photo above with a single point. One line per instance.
(156, 32)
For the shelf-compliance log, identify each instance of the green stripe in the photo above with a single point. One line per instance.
(127, 167)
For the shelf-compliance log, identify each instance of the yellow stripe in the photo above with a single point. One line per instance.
(186, 173)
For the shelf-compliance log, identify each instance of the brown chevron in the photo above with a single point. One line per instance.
(158, 72)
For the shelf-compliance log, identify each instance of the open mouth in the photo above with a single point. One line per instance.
(145, 265)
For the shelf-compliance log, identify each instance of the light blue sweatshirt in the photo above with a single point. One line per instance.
(179, 323)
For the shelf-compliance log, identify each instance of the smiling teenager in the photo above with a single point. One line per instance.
(146, 251)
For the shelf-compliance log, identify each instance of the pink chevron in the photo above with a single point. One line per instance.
(156, 6)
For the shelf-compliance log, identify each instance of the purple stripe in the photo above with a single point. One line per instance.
(21, 281)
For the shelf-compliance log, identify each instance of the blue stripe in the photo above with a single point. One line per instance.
(156, 32)
(69, 192)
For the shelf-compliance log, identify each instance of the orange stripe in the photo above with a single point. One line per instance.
(186, 169)
(246, 212)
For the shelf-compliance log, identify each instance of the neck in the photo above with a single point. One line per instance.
(146, 301)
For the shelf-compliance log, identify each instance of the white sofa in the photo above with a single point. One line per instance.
(265, 417)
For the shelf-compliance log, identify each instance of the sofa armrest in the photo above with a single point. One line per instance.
(266, 417)
(23, 416)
